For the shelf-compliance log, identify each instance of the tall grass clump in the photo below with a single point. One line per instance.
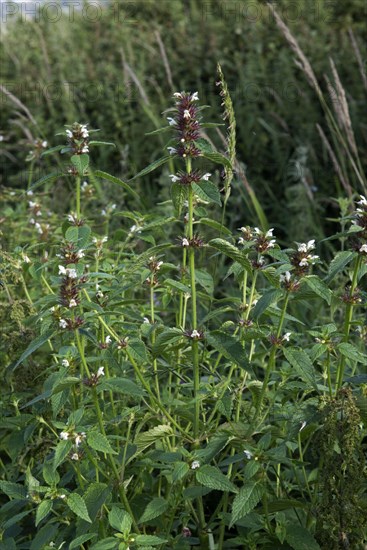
(170, 382)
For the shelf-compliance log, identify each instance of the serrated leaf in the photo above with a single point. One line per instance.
(81, 163)
(67, 382)
(76, 543)
(99, 442)
(78, 234)
(166, 338)
(351, 352)
(177, 285)
(246, 500)
(154, 509)
(120, 520)
(42, 510)
(179, 195)
(77, 505)
(318, 287)
(95, 496)
(13, 490)
(145, 439)
(215, 225)
(152, 166)
(33, 346)
(110, 543)
(207, 191)
(63, 448)
(212, 477)
(204, 279)
(341, 260)
(299, 359)
(114, 179)
(218, 158)
(267, 299)
(121, 385)
(229, 347)
(179, 471)
(300, 538)
(232, 252)
(149, 540)
(50, 476)
(138, 350)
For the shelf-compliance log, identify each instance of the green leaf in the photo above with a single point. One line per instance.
(299, 359)
(318, 287)
(13, 490)
(137, 350)
(267, 299)
(63, 448)
(121, 385)
(42, 510)
(212, 477)
(78, 235)
(177, 285)
(110, 543)
(99, 442)
(207, 191)
(300, 538)
(179, 471)
(217, 158)
(149, 540)
(52, 150)
(232, 252)
(50, 476)
(77, 505)
(44, 535)
(229, 347)
(49, 177)
(33, 346)
(341, 260)
(215, 225)
(81, 163)
(204, 279)
(154, 509)
(152, 166)
(67, 382)
(113, 179)
(120, 520)
(246, 500)
(179, 195)
(102, 143)
(76, 543)
(95, 496)
(145, 439)
(166, 338)
(351, 352)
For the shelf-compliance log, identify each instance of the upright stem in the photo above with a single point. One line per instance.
(152, 318)
(78, 197)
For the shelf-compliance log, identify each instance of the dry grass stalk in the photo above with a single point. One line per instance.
(134, 78)
(359, 58)
(18, 103)
(335, 162)
(165, 60)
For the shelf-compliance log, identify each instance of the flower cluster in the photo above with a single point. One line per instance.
(195, 242)
(194, 334)
(69, 289)
(184, 178)
(70, 255)
(186, 123)
(39, 145)
(279, 341)
(94, 378)
(360, 220)
(290, 283)
(302, 259)
(78, 138)
(77, 438)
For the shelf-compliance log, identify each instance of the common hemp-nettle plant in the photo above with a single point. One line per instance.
(196, 387)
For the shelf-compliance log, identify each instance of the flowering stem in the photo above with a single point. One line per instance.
(152, 318)
(78, 197)
(348, 322)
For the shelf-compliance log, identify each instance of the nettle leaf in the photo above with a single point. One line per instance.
(120, 520)
(50, 475)
(318, 287)
(138, 350)
(341, 260)
(351, 352)
(149, 540)
(77, 505)
(110, 543)
(42, 510)
(179, 194)
(121, 385)
(99, 442)
(179, 471)
(79, 235)
(212, 477)
(52, 150)
(204, 279)
(232, 252)
(152, 166)
(154, 509)
(299, 538)
(76, 543)
(299, 359)
(145, 439)
(63, 448)
(33, 346)
(114, 179)
(166, 338)
(246, 500)
(229, 347)
(95, 497)
(215, 225)
(207, 191)
(218, 158)
(267, 299)
(13, 490)
(81, 163)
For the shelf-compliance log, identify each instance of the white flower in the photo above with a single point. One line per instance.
(99, 294)
(271, 243)
(241, 240)
(79, 438)
(64, 436)
(171, 150)
(108, 339)
(84, 185)
(31, 221)
(65, 363)
(71, 273)
(2, 137)
(69, 133)
(305, 247)
(62, 496)
(303, 424)
(100, 372)
(206, 176)
(185, 242)
(174, 178)
(26, 259)
(269, 233)
(178, 95)
(80, 254)
(303, 262)
(195, 334)
(85, 149)
(71, 218)
(63, 323)
(44, 144)
(186, 114)
(32, 204)
(29, 193)
(171, 121)
(363, 248)
(195, 465)
(158, 266)
(52, 309)
(73, 303)
(104, 239)
(75, 456)
(286, 337)
(248, 454)
(257, 231)
(146, 321)
(62, 270)
(362, 201)
(84, 131)
(195, 96)
(285, 277)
